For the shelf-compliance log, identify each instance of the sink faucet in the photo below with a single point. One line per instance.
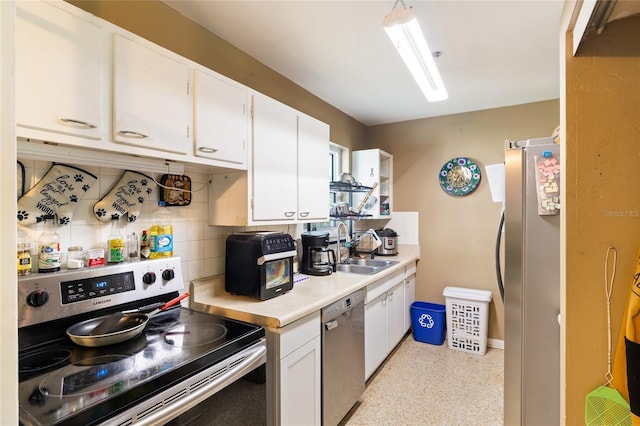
(346, 235)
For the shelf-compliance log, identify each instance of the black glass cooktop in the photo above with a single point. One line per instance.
(64, 383)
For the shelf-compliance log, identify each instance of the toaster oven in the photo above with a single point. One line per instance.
(259, 264)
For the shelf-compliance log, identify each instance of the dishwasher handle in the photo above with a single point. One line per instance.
(330, 325)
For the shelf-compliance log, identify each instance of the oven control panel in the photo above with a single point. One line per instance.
(101, 286)
(46, 296)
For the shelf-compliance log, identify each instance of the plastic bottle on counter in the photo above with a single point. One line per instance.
(24, 261)
(49, 247)
(115, 242)
(161, 233)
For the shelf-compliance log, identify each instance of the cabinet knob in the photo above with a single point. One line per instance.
(289, 214)
(304, 214)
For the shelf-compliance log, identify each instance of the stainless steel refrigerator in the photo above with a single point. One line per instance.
(532, 283)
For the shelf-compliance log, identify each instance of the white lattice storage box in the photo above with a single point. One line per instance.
(467, 319)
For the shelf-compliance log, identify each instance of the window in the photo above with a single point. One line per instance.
(339, 160)
(338, 163)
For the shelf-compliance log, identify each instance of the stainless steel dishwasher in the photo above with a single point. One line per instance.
(342, 356)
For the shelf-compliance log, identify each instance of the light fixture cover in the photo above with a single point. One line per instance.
(404, 31)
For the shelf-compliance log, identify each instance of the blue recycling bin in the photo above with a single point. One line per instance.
(428, 321)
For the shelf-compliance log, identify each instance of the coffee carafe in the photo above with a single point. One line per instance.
(317, 257)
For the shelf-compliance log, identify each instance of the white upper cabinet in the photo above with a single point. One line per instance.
(59, 72)
(152, 104)
(313, 169)
(220, 118)
(275, 140)
(287, 179)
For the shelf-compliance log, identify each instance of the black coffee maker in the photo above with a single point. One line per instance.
(317, 257)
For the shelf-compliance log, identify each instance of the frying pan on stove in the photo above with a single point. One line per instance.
(130, 325)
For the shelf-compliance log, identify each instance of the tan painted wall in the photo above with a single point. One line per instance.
(457, 234)
(157, 22)
(602, 106)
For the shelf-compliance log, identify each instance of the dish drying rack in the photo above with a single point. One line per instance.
(366, 243)
(351, 188)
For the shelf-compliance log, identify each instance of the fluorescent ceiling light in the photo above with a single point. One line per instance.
(405, 34)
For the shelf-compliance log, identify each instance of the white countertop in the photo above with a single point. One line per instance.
(307, 296)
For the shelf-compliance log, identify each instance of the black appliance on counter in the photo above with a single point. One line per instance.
(259, 264)
(182, 358)
(317, 257)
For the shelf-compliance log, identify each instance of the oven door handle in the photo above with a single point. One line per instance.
(276, 256)
(169, 412)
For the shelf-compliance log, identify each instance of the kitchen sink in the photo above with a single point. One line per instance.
(365, 266)
(372, 262)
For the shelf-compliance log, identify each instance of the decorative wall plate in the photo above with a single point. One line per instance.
(459, 176)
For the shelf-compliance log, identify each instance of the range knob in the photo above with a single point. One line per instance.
(149, 278)
(37, 298)
(168, 274)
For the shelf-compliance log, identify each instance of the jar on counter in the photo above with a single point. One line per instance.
(75, 257)
(49, 247)
(24, 259)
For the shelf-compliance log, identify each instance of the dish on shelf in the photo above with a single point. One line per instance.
(338, 186)
(352, 216)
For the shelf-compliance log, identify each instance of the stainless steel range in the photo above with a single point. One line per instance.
(182, 358)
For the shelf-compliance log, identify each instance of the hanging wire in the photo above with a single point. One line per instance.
(180, 189)
(608, 287)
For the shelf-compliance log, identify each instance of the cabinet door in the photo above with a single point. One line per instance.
(300, 385)
(396, 314)
(59, 72)
(220, 119)
(409, 298)
(313, 169)
(274, 164)
(151, 98)
(375, 334)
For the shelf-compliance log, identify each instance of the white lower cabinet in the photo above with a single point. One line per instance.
(383, 319)
(395, 315)
(409, 292)
(294, 373)
(375, 334)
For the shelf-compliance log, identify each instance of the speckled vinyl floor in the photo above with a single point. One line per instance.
(423, 384)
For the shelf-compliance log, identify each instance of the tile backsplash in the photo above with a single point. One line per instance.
(201, 247)
(406, 224)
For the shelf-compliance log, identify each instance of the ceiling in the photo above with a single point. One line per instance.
(494, 53)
